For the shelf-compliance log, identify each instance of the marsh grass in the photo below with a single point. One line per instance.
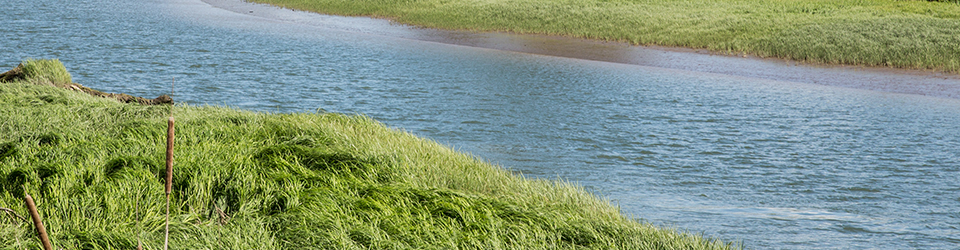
(905, 34)
(51, 72)
(249, 180)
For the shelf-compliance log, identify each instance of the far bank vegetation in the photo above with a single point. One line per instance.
(887, 33)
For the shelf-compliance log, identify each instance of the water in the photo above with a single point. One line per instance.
(774, 164)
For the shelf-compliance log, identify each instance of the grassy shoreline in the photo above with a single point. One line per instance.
(246, 180)
(886, 33)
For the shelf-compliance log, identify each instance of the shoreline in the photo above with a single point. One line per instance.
(258, 180)
(883, 79)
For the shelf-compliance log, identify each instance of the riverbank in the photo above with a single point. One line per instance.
(884, 33)
(246, 180)
(882, 79)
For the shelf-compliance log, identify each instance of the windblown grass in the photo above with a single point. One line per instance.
(905, 34)
(246, 180)
(50, 72)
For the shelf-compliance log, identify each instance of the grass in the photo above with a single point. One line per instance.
(904, 34)
(246, 180)
(48, 72)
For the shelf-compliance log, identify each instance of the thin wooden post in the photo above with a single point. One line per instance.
(169, 185)
(169, 155)
(42, 231)
(137, 212)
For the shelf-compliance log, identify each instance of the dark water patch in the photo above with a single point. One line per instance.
(861, 189)
(851, 229)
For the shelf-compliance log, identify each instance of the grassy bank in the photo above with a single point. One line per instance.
(905, 34)
(246, 180)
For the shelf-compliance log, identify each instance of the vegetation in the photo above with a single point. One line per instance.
(906, 34)
(46, 72)
(246, 180)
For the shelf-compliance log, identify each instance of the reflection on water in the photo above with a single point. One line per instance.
(775, 164)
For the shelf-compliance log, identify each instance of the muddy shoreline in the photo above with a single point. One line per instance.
(893, 80)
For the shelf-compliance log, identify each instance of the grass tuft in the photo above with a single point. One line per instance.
(45, 71)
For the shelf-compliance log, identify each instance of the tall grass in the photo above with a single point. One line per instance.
(50, 72)
(250, 180)
(905, 34)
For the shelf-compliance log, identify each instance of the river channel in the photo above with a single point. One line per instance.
(775, 163)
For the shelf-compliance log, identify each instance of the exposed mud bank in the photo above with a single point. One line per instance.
(883, 79)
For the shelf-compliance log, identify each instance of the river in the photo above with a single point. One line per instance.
(774, 162)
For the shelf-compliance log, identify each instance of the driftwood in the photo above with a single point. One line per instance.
(164, 99)
(16, 74)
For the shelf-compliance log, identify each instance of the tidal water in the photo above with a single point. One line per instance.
(773, 164)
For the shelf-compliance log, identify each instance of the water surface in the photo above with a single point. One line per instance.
(776, 164)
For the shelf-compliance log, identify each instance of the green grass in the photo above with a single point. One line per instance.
(905, 34)
(246, 180)
(48, 72)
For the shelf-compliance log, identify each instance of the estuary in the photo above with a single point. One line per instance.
(774, 163)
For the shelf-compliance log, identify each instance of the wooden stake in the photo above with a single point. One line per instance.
(170, 124)
(42, 231)
(137, 212)
(169, 186)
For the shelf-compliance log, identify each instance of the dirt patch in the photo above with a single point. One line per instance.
(17, 74)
